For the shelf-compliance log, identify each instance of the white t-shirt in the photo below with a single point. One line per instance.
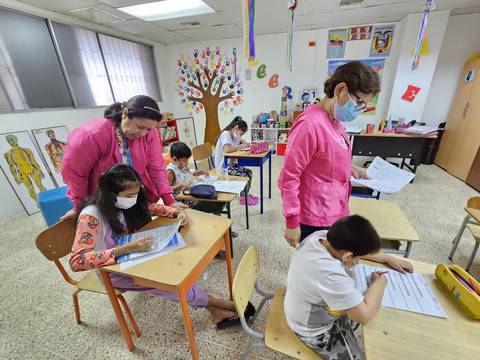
(318, 287)
(225, 138)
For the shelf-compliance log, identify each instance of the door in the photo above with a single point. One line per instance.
(473, 178)
(445, 157)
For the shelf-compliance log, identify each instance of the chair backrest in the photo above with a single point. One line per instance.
(474, 202)
(203, 152)
(56, 241)
(245, 278)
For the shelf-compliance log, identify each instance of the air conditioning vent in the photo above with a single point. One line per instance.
(190, 23)
(350, 4)
(97, 15)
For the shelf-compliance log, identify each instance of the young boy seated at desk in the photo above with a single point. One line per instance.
(322, 305)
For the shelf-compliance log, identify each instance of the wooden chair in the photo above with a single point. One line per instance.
(55, 243)
(202, 157)
(277, 336)
(473, 227)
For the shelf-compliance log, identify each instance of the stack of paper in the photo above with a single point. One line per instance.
(384, 177)
(409, 292)
(421, 130)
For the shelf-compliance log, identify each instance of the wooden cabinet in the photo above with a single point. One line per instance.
(459, 148)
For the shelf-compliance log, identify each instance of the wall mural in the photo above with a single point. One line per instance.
(206, 81)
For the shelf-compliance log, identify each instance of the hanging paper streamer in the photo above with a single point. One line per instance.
(291, 26)
(234, 64)
(429, 6)
(248, 30)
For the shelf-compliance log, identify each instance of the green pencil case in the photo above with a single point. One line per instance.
(462, 286)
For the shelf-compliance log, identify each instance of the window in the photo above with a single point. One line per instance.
(130, 67)
(84, 65)
(30, 72)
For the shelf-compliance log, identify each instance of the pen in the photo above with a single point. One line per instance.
(383, 272)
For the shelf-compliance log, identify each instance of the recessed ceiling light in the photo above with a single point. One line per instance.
(168, 9)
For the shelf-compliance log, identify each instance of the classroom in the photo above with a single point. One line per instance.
(240, 179)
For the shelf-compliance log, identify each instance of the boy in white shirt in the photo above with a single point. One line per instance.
(322, 305)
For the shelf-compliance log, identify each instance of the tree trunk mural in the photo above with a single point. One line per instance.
(207, 81)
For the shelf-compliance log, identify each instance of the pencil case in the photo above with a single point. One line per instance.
(462, 286)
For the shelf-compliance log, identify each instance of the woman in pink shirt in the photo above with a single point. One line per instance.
(125, 134)
(315, 179)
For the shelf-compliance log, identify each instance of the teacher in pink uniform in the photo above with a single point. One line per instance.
(315, 179)
(125, 134)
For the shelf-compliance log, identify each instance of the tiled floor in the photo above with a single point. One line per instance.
(36, 312)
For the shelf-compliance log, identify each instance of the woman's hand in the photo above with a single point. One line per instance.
(179, 205)
(359, 173)
(183, 217)
(293, 236)
(400, 265)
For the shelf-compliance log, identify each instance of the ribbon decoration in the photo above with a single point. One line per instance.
(249, 30)
(429, 6)
(234, 63)
(291, 4)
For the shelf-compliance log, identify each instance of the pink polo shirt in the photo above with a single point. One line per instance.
(92, 149)
(315, 179)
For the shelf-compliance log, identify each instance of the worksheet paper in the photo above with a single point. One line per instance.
(385, 177)
(226, 186)
(409, 292)
(205, 179)
(163, 239)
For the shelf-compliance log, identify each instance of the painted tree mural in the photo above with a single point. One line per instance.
(207, 80)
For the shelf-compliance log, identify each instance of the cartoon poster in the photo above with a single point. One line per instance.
(375, 64)
(382, 41)
(337, 40)
(23, 166)
(360, 33)
(52, 142)
(186, 131)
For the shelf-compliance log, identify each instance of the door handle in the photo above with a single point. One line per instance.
(465, 111)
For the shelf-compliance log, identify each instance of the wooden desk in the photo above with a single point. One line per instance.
(245, 158)
(391, 145)
(388, 219)
(401, 335)
(177, 271)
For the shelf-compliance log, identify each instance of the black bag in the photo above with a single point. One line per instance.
(203, 191)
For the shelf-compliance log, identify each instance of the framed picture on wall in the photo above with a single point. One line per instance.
(52, 142)
(186, 131)
(23, 166)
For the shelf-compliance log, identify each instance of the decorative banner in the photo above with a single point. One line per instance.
(429, 6)
(360, 33)
(375, 64)
(411, 93)
(234, 64)
(336, 43)
(289, 92)
(291, 27)
(273, 82)
(382, 41)
(205, 82)
(249, 29)
(262, 71)
(283, 106)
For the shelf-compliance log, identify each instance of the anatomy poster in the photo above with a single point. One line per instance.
(52, 142)
(382, 41)
(24, 168)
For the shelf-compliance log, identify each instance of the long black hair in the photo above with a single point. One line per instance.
(138, 106)
(117, 179)
(242, 125)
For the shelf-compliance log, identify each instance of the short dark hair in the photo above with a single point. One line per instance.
(180, 150)
(359, 77)
(138, 106)
(356, 234)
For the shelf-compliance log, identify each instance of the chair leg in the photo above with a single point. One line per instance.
(129, 314)
(472, 256)
(457, 238)
(249, 349)
(76, 306)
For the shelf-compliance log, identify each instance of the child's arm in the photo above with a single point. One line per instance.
(372, 299)
(229, 148)
(395, 263)
(171, 182)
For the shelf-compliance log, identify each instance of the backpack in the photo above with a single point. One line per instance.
(259, 147)
(202, 191)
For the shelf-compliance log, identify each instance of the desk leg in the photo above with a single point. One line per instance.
(229, 261)
(187, 322)
(270, 175)
(408, 250)
(246, 209)
(229, 214)
(118, 311)
(261, 188)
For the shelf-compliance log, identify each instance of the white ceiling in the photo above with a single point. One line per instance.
(227, 22)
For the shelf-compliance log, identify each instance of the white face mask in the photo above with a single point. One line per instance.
(125, 202)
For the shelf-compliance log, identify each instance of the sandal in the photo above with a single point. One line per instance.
(235, 320)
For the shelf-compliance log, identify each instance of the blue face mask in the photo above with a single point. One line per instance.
(347, 112)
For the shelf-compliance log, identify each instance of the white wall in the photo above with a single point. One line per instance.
(19, 121)
(423, 76)
(461, 41)
(310, 70)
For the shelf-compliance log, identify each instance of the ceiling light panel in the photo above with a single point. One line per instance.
(168, 9)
